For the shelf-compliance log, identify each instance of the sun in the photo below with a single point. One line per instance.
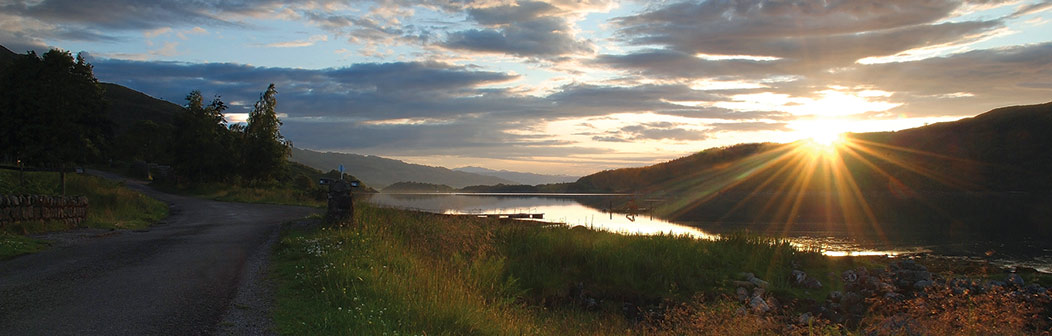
(826, 138)
(822, 134)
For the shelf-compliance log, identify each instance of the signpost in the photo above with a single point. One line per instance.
(341, 201)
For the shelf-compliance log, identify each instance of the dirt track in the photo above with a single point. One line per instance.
(176, 278)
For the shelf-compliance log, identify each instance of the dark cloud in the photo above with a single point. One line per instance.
(132, 14)
(819, 33)
(652, 131)
(529, 29)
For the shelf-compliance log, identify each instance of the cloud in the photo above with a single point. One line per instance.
(299, 43)
(527, 29)
(157, 32)
(835, 33)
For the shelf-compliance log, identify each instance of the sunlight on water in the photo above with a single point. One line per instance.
(568, 211)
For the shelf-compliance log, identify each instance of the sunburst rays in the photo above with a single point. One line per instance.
(830, 183)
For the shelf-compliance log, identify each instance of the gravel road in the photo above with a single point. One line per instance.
(192, 274)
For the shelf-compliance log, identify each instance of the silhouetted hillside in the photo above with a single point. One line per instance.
(127, 106)
(378, 171)
(650, 178)
(1006, 149)
(6, 56)
(990, 174)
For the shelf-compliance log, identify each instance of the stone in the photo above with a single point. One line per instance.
(922, 284)
(759, 291)
(834, 296)
(759, 305)
(743, 294)
(1015, 280)
(805, 318)
(849, 276)
(758, 282)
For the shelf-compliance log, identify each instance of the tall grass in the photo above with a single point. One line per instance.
(400, 272)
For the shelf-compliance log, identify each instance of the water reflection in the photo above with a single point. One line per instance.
(570, 210)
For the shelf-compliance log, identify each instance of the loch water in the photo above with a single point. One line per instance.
(591, 210)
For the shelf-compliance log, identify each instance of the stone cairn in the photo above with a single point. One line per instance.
(71, 210)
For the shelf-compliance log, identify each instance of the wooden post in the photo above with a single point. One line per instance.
(62, 175)
(21, 175)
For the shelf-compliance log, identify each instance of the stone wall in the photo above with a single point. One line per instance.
(25, 208)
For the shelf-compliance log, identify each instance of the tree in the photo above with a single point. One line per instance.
(203, 147)
(266, 150)
(52, 111)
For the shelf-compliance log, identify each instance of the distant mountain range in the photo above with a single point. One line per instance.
(381, 172)
(519, 177)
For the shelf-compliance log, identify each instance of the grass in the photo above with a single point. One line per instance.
(15, 245)
(399, 272)
(110, 205)
(269, 194)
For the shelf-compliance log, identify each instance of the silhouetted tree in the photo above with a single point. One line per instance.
(52, 112)
(266, 151)
(147, 141)
(203, 148)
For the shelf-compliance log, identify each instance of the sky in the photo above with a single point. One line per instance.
(561, 87)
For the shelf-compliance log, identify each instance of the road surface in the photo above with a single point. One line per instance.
(179, 277)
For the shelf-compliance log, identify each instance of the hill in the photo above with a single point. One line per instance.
(126, 107)
(381, 172)
(984, 174)
(6, 56)
(519, 177)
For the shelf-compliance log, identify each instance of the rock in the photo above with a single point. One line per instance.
(922, 284)
(812, 283)
(805, 318)
(758, 282)
(800, 279)
(1034, 289)
(850, 300)
(849, 276)
(834, 296)
(743, 294)
(894, 296)
(1015, 280)
(773, 303)
(747, 276)
(759, 291)
(759, 305)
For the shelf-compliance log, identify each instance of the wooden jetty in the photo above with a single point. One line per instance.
(520, 215)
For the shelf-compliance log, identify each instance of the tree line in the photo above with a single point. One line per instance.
(53, 115)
